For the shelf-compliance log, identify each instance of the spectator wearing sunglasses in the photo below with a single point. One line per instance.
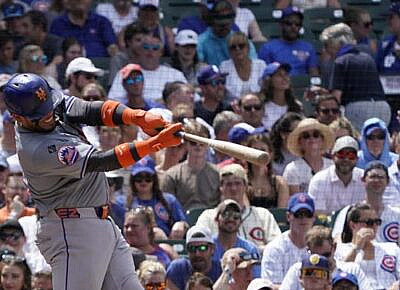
(251, 109)
(213, 93)
(340, 184)
(300, 54)
(376, 180)
(32, 60)
(375, 144)
(290, 247)
(277, 93)
(213, 47)
(228, 219)
(315, 273)
(200, 247)
(152, 275)
(319, 241)
(80, 72)
(243, 72)
(168, 211)
(327, 109)
(379, 260)
(309, 141)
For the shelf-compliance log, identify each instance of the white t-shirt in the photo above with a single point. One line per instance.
(258, 225)
(387, 262)
(292, 281)
(272, 112)
(118, 21)
(279, 255)
(235, 85)
(243, 19)
(154, 82)
(329, 192)
(299, 173)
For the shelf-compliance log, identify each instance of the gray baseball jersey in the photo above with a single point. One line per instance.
(84, 251)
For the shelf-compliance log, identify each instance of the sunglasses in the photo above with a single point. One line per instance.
(316, 273)
(346, 154)
(368, 24)
(333, 111)
(246, 256)
(237, 46)
(216, 82)
(303, 214)
(249, 108)
(194, 249)
(371, 222)
(292, 23)
(379, 136)
(308, 135)
(157, 286)
(136, 80)
(39, 58)
(13, 236)
(231, 214)
(153, 47)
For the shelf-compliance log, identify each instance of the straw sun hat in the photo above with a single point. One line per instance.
(310, 124)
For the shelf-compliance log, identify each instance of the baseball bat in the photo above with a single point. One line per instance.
(238, 151)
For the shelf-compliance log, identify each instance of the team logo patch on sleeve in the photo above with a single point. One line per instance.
(161, 211)
(388, 263)
(68, 155)
(391, 232)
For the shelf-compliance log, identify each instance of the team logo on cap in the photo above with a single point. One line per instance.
(41, 94)
(302, 198)
(391, 232)
(388, 263)
(68, 155)
(314, 259)
(257, 233)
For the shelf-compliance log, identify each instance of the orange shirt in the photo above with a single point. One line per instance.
(5, 213)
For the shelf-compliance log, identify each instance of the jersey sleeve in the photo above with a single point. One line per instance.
(291, 175)
(270, 268)
(63, 157)
(315, 191)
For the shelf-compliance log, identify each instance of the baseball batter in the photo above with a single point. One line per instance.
(66, 176)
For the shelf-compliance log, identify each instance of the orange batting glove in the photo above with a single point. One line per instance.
(150, 123)
(166, 138)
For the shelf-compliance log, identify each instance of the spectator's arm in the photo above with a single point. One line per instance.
(170, 39)
(171, 285)
(283, 192)
(255, 32)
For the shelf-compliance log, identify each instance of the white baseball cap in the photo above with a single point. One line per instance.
(345, 142)
(185, 37)
(155, 3)
(260, 283)
(199, 234)
(82, 64)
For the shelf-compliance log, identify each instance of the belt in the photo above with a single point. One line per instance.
(100, 212)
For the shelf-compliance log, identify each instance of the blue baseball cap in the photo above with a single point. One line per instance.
(340, 276)
(13, 10)
(290, 10)
(394, 8)
(315, 261)
(300, 201)
(273, 68)
(208, 73)
(146, 164)
(241, 131)
(208, 3)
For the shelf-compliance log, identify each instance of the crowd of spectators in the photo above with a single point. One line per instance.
(324, 213)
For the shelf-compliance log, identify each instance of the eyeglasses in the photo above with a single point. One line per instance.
(157, 286)
(194, 249)
(39, 58)
(249, 108)
(379, 136)
(231, 214)
(136, 80)
(368, 24)
(316, 273)
(303, 214)
(308, 135)
(237, 46)
(291, 23)
(346, 154)
(12, 236)
(216, 82)
(87, 75)
(333, 111)
(153, 47)
(370, 222)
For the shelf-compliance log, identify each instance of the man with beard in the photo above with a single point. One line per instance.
(229, 218)
(340, 184)
(200, 247)
(300, 54)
